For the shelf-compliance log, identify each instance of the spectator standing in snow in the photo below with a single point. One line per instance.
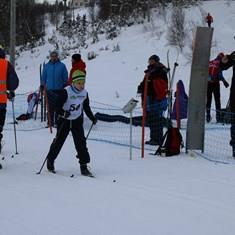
(213, 85)
(54, 78)
(230, 61)
(70, 103)
(209, 19)
(77, 63)
(9, 81)
(157, 88)
(232, 109)
(227, 62)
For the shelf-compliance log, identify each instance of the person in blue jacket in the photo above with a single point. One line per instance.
(54, 78)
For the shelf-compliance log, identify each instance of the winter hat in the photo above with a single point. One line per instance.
(76, 57)
(2, 53)
(154, 57)
(78, 75)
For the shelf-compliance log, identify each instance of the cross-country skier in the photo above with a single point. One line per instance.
(70, 103)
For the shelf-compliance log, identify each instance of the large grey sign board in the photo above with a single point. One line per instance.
(198, 89)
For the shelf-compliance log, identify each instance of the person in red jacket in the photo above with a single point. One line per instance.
(77, 63)
(209, 19)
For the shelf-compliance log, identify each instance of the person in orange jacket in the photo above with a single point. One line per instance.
(209, 20)
(9, 81)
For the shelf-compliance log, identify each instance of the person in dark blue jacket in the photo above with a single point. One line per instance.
(54, 78)
(9, 81)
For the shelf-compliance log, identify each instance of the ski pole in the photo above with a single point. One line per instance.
(36, 109)
(48, 109)
(57, 134)
(14, 123)
(144, 114)
(89, 130)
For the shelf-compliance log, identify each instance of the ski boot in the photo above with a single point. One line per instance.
(0, 166)
(208, 118)
(85, 171)
(50, 166)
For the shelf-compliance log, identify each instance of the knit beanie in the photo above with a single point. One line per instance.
(78, 75)
(154, 57)
(76, 57)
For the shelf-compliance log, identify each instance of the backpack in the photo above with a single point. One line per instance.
(171, 143)
(214, 69)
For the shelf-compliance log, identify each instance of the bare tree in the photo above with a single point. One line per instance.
(176, 31)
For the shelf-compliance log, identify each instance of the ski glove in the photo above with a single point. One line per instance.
(11, 95)
(65, 114)
(226, 84)
(94, 121)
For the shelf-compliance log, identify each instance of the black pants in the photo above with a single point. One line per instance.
(155, 121)
(2, 121)
(209, 24)
(52, 96)
(232, 132)
(213, 88)
(63, 129)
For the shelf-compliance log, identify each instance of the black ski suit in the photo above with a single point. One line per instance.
(75, 126)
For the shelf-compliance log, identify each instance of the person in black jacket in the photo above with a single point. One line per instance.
(232, 109)
(9, 81)
(232, 105)
(227, 62)
(157, 88)
(70, 103)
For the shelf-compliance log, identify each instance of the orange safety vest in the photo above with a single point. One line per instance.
(3, 81)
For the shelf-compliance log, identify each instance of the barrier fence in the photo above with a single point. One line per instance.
(113, 127)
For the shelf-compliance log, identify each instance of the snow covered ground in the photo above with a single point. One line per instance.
(184, 194)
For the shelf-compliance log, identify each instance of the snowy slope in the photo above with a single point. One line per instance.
(180, 195)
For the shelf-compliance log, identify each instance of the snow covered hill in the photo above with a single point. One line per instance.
(185, 194)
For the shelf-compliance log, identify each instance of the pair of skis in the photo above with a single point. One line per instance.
(171, 81)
